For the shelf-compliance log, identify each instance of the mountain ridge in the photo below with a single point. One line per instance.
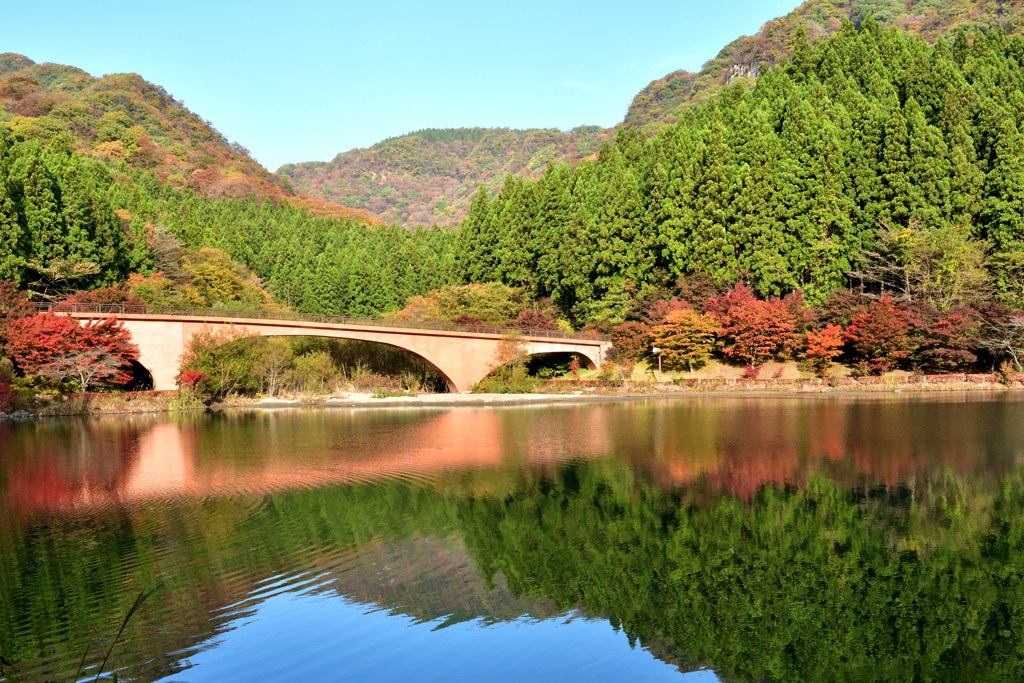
(127, 119)
(408, 189)
(422, 178)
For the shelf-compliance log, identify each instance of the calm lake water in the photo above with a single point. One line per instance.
(698, 539)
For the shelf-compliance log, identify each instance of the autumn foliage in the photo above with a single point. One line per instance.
(880, 335)
(535, 319)
(947, 341)
(822, 346)
(753, 330)
(13, 305)
(631, 340)
(60, 348)
(105, 295)
(686, 338)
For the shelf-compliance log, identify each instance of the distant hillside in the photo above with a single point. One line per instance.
(123, 116)
(663, 100)
(431, 176)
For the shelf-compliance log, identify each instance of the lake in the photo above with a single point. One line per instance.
(704, 538)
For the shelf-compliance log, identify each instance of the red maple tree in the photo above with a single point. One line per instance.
(879, 333)
(946, 340)
(753, 330)
(631, 340)
(60, 348)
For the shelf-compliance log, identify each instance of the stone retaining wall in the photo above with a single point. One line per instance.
(965, 381)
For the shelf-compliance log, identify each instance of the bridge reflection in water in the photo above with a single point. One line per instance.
(736, 445)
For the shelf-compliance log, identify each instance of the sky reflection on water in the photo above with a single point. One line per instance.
(361, 644)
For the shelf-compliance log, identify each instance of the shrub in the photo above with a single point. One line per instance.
(387, 393)
(313, 372)
(227, 365)
(190, 378)
(610, 372)
(8, 397)
(194, 388)
(363, 381)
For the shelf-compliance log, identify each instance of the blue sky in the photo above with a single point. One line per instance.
(305, 80)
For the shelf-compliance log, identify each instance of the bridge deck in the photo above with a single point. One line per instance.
(289, 316)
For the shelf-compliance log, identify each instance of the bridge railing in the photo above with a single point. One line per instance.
(192, 312)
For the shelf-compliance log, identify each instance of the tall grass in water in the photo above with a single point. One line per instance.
(7, 669)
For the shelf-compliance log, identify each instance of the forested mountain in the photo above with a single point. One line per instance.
(127, 119)
(425, 178)
(870, 151)
(430, 176)
(743, 59)
(71, 221)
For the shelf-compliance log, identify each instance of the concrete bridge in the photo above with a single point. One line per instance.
(461, 354)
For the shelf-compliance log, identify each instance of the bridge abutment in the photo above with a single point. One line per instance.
(161, 344)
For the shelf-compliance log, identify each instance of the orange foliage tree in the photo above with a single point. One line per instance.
(631, 340)
(822, 346)
(686, 338)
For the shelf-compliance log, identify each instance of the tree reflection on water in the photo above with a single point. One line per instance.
(778, 539)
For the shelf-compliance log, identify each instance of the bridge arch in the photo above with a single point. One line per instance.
(448, 380)
(586, 360)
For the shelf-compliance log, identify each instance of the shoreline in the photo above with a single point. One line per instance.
(150, 402)
(583, 397)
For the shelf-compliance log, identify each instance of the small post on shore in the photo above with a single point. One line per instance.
(657, 352)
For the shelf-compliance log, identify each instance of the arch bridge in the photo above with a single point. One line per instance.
(461, 354)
